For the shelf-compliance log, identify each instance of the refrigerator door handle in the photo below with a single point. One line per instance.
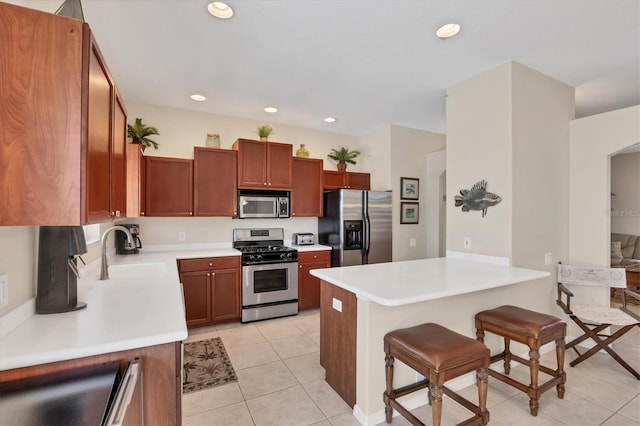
(367, 228)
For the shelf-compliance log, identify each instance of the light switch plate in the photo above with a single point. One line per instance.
(4, 290)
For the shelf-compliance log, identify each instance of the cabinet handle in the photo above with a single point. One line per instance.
(265, 184)
(190, 213)
(210, 264)
(141, 213)
(300, 266)
(315, 257)
(208, 274)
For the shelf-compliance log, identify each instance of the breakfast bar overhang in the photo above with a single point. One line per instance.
(360, 304)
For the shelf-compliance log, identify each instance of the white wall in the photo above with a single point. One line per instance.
(593, 141)
(181, 130)
(625, 184)
(479, 138)
(542, 110)
(409, 151)
(435, 218)
(378, 157)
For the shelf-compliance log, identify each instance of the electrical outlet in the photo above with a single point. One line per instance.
(182, 236)
(4, 290)
(548, 259)
(467, 243)
(412, 242)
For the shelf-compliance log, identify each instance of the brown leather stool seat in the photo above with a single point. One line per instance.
(533, 329)
(439, 354)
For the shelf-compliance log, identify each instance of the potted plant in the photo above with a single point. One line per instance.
(343, 156)
(139, 134)
(264, 131)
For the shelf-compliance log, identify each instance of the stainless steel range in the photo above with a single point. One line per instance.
(269, 274)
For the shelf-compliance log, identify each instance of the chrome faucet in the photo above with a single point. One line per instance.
(104, 268)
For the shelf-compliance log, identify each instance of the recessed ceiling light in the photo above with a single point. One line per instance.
(220, 10)
(448, 30)
(198, 98)
(270, 109)
(330, 120)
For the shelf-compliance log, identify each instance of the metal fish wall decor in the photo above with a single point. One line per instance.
(477, 198)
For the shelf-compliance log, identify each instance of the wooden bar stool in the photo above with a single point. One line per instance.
(439, 354)
(533, 329)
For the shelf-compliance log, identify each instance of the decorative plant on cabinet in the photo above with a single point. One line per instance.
(139, 134)
(343, 156)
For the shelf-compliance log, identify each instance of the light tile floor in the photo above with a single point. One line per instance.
(280, 382)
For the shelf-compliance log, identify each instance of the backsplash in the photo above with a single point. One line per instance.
(167, 230)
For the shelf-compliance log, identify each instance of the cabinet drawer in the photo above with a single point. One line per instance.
(208, 263)
(314, 256)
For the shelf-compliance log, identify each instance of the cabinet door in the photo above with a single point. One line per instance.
(40, 118)
(118, 159)
(359, 181)
(197, 297)
(226, 294)
(308, 285)
(279, 165)
(134, 160)
(99, 131)
(334, 180)
(169, 186)
(252, 159)
(214, 183)
(306, 194)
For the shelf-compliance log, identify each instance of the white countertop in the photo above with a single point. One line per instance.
(402, 283)
(121, 313)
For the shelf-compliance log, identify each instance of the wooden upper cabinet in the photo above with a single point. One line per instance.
(57, 115)
(306, 195)
(100, 94)
(346, 180)
(358, 181)
(168, 186)
(119, 159)
(134, 180)
(264, 165)
(279, 165)
(40, 134)
(214, 184)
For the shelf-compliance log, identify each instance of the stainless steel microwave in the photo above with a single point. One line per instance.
(263, 204)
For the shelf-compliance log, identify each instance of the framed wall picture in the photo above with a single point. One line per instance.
(409, 189)
(409, 213)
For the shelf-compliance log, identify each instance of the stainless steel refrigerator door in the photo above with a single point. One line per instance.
(351, 209)
(379, 226)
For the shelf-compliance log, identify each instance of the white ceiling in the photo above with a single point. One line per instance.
(366, 62)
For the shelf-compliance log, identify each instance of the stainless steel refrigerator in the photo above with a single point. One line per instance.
(357, 225)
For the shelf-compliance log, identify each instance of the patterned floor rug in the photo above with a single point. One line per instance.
(206, 364)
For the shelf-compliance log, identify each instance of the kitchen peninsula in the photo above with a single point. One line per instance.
(360, 304)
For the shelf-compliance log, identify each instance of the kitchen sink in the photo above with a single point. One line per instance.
(138, 270)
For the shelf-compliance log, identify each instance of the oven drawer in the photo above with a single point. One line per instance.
(208, 263)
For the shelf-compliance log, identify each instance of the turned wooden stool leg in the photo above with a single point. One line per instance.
(560, 370)
(534, 368)
(482, 376)
(388, 369)
(507, 355)
(436, 407)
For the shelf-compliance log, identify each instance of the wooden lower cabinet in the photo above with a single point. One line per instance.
(308, 285)
(161, 369)
(338, 333)
(212, 289)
